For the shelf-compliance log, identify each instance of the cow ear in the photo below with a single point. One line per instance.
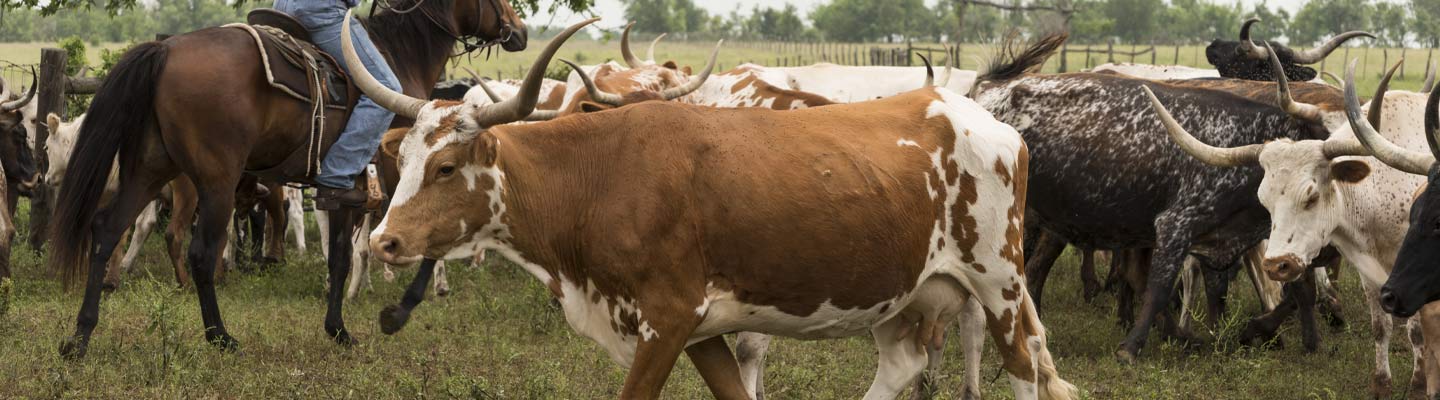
(671, 65)
(1349, 171)
(485, 147)
(52, 122)
(687, 70)
(590, 107)
(390, 143)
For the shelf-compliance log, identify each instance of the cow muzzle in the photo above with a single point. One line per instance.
(1283, 269)
(392, 249)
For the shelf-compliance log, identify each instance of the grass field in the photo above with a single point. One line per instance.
(498, 336)
(694, 53)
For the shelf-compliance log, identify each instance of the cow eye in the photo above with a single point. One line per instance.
(1310, 203)
(445, 171)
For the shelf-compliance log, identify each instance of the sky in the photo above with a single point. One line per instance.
(612, 12)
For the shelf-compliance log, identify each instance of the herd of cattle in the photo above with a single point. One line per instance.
(664, 208)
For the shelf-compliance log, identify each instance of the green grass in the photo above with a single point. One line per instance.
(498, 336)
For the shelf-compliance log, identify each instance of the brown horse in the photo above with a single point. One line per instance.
(198, 105)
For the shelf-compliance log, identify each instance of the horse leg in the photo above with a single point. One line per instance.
(216, 203)
(113, 268)
(182, 219)
(109, 224)
(342, 225)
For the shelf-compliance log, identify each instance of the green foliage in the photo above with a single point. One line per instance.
(74, 55)
(7, 291)
(1321, 19)
(559, 72)
(866, 20)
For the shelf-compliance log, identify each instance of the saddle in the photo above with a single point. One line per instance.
(296, 67)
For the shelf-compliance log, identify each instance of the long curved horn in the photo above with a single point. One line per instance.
(650, 52)
(494, 98)
(542, 115)
(4, 89)
(595, 93)
(29, 95)
(1332, 79)
(1308, 112)
(472, 73)
(1378, 101)
(399, 103)
(625, 49)
(949, 62)
(695, 82)
(520, 106)
(1247, 46)
(1217, 156)
(1395, 156)
(1432, 124)
(1429, 78)
(929, 72)
(1317, 54)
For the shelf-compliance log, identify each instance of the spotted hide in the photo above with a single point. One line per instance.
(856, 218)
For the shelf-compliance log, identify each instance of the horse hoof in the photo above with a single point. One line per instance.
(74, 347)
(344, 339)
(393, 318)
(224, 341)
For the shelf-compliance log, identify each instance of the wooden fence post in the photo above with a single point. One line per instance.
(1177, 55)
(1402, 64)
(51, 100)
(1064, 48)
(1110, 50)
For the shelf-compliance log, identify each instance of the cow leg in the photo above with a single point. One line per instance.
(1189, 273)
(295, 208)
(341, 227)
(1087, 275)
(972, 342)
(182, 218)
(750, 351)
(276, 221)
(1267, 290)
(1327, 270)
(395, 316)
(1416, 338)
(655, 355)
(1429, 338)
(1037, 267)
(359, 259)
(1167, 261)
(442, 285)
(143, 226)
(718, 368)
(900, 360)
(7, 233)
(322, 222)
(109, 224)
(1114, 278)
(1380, 325)
(1134, 266)
(113, 269)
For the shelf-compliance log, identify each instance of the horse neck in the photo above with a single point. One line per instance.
(417, 48)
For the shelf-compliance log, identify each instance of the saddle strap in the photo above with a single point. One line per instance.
(316, 80)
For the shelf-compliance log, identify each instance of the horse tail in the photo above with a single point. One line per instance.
(123, 108)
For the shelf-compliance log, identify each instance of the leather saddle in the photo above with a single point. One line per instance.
(296, 67)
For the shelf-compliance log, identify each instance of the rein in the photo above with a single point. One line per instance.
(507, 31)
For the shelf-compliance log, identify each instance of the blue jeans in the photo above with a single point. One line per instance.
(361, 138)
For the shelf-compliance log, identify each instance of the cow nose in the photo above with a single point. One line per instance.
(1283, 269)
(1388, 302)
(387, 247)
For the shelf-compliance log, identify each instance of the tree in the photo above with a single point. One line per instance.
(1391, 24)
(865, 20)
(115, 7)
(1320, 19)
(1426, 22)
(666, 15)
(1140, 18)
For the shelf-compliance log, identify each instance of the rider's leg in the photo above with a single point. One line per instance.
(358, 143)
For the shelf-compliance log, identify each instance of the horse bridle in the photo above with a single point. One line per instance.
(507, 31)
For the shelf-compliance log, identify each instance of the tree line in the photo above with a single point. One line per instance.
(1407, 22)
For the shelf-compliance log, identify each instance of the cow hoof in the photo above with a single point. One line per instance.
(393, 318)
(1125, 356)
(224, 341)
(270, 261)
(442, 292)
(109, 287)
(1380, 387)
(970, 394)
(74, 347)
(1256, 334)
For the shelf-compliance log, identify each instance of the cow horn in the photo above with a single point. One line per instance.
(542, 115)
(520, 106)
(1217, 156)
(1317, 54)
(494, 98)
(1378, 101)
(1432, 123)
(4, 89)
(625, 49)
(397, 102)
(949, 62)
(472, 73)
(1332, 79)
(1247, 46)
(1308, 112)
(650, 52)
(595, 93)
(695, 82)
(29, 95)
(1429, 78)
(929, 71)
(1395, 156)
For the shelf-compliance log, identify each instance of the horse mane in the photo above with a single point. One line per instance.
(411, 37)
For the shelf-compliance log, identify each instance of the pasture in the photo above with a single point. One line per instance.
(498, 336)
